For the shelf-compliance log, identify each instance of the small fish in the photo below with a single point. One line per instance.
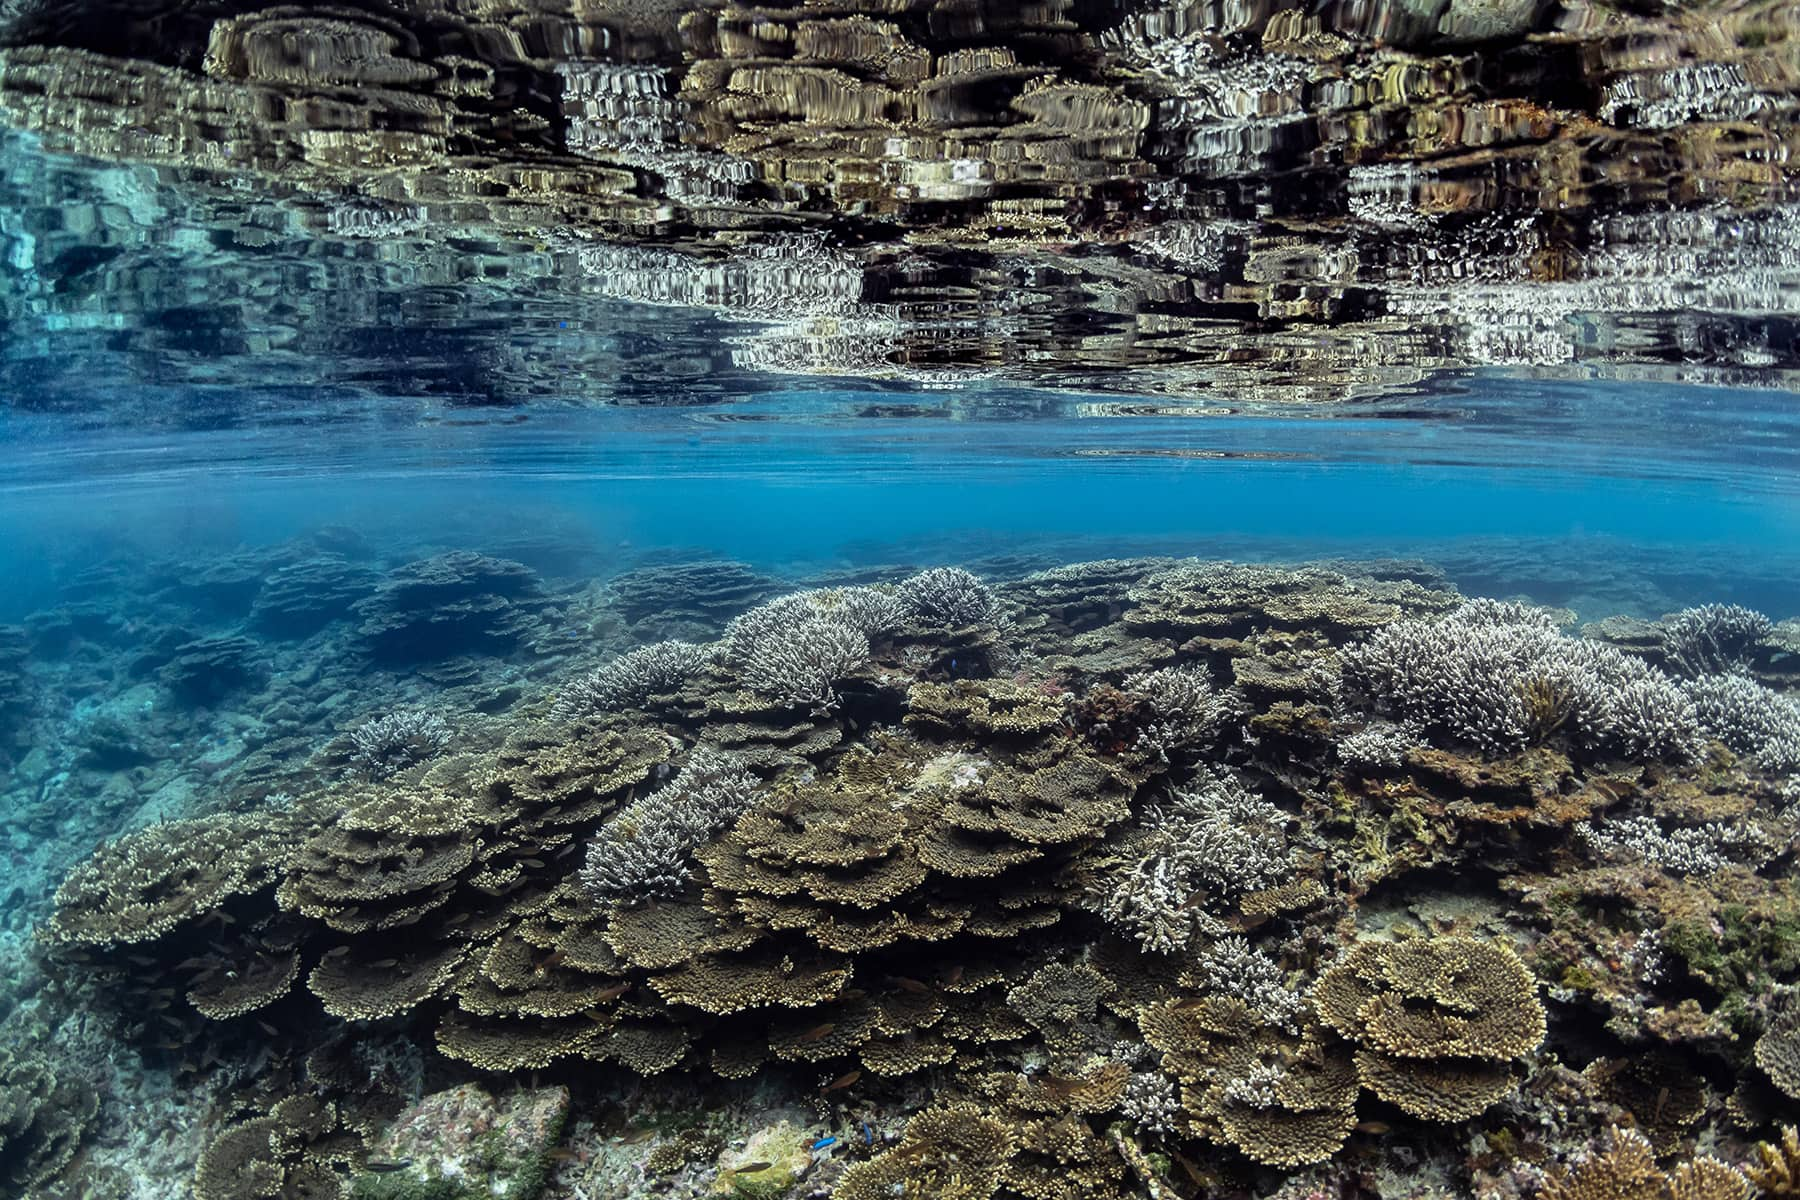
(637, 1136)
(268, 1028)
(824, 1143)
(817, 1033)
(1375, 1127)
(384, 964)
(955, 977)
(381, 1165)
(561, 1154)
(908, 985)
(193, 964)
(749, 1168)
(337, 952)
(868, 1134)
(842, 1081)
(1187, 1165)
(142, 960)
(536, 864)
(613, 992)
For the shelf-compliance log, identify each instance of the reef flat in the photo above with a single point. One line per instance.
(1128, 878)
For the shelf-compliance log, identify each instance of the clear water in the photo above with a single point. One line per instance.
(1601, 496)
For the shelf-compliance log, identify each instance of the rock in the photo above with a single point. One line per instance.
(463, 1144)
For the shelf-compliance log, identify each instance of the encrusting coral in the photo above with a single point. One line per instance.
(1082, 911)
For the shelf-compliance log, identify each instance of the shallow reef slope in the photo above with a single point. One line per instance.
(1151, 878)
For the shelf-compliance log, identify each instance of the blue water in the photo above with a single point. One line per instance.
(1598, 495)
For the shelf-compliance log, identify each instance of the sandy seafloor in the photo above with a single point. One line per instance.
(436, 874)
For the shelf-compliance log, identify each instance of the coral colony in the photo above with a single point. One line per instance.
(1137, 878)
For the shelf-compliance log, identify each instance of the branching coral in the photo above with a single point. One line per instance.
(633, 678)
(1378, 745)
(1499, 676)
(1217, 835)
(1626, 1170)
(1749, 718)
(390, 744)
(1713, 638)
(947, 597)
(1690, 850)
(1186, 711)
(796, 648)
(644, 851)
(1150, 1103)
(1232, 967)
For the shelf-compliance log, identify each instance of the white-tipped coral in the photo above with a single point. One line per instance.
(797, 648)
(1501, 677)
(1713, 638)
(644, 852)
(949, 597)
(1749, 718)
(1188, 710)
(397, 741)
(1216, 835)
(633, 678)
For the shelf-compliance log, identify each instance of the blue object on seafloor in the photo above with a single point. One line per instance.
(824, 1143)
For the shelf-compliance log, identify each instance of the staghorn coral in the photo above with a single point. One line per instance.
(796, 649)
(1712, 639)
(1501, 676)
(633, 678)
(1690, 850)
(1186, 712)
(947, 598)
(1750, 718)
(1216, 835)
(1232, 967)
(644, 851)
(1150, 1103)
(1380, 745)
(387, 745)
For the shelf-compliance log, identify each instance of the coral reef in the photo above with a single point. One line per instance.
(1713, 639)
(1026, 901)
(399, 740)
(643, 851)
(634, 678)
(1502, 677)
